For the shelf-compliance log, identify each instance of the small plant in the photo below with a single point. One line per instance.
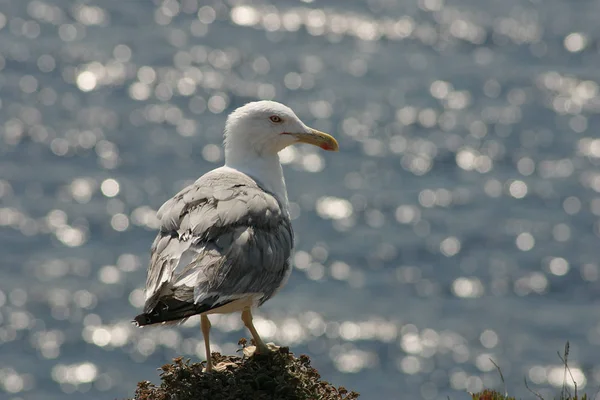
(565, 393)
(491, 395)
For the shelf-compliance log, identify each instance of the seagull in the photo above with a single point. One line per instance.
(225, 241)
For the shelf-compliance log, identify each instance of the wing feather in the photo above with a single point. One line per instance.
(221, 238)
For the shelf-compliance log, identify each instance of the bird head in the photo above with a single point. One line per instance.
(267, 127)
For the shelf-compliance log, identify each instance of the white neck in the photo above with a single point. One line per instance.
(266, 169)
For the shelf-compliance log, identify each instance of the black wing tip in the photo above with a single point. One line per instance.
(171, 310)
(141, 320)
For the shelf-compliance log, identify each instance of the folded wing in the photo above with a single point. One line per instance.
(221, 239)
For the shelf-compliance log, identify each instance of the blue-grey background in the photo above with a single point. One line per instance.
(459, 222)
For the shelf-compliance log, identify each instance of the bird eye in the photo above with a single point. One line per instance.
(275, 118)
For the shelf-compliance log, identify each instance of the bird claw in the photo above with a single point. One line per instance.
(249, 351)
(220, 367)
(272, 346)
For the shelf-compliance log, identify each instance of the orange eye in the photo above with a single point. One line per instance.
(275, 118)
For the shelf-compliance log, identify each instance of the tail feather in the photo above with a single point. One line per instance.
(173, 310)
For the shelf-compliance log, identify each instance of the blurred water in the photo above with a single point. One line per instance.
(460, 221)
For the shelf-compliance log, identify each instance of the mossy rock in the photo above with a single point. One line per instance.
(276, 375)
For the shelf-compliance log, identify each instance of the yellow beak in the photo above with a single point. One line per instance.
(319, 139)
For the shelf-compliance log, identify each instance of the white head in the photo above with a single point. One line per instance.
(263, 128)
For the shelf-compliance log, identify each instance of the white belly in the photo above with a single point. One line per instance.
(237, 305)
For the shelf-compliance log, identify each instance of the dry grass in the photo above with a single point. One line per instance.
(565, 393)
(493, 395)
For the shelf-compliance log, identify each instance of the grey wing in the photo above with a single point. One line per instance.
(221, 239)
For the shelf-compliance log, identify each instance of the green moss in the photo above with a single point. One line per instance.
(277, 375)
